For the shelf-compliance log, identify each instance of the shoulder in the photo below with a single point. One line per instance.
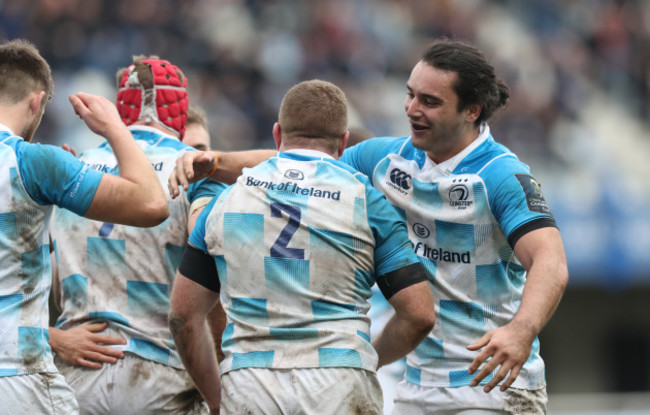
(491, 160)
(369, 153)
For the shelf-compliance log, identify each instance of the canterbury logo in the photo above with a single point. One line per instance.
(400, 178)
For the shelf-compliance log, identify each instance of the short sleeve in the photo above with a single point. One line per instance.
(365, 156)
(393, 249)
(54, 176)
(205, 188)
(197, 237)
(515, 196)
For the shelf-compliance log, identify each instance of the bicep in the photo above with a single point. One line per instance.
(191, 298)
(543, 245)
(414, 300)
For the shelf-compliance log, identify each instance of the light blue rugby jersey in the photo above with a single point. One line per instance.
(460, 214)
(298, 242)
(32, 178)
(123, 274)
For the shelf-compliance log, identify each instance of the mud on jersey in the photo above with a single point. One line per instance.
(123, 274)
(461, 215)
(33, 177)
(298, 242)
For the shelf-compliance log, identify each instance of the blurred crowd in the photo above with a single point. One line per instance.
(579, 70)
(241, 55)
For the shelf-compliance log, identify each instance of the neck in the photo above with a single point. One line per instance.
(449, 149)
(322, 149)
(158, 126)
(13, 116)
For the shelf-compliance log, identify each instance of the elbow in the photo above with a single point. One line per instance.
(563, 276)
(426, 324)
(175, 322)
(159, 212)
(153, 213)
(422, 325)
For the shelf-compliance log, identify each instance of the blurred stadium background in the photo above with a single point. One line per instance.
(579, 73)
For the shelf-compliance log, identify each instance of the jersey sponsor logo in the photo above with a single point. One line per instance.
(458, 195)
(105, 168)
(421, 231)
(400, 181)
(294, 174)
(534, 196)
(439, 254)
(293, 188)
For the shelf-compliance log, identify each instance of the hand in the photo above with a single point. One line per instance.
(82, 346)
(509, 346)
(97, 112)
(191, 167)
(69, 149)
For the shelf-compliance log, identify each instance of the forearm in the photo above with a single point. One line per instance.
(134, 165)
(196, 349)
(54, 338)
(231, 164)
(217, 323)
(397, 339)
(545, 284)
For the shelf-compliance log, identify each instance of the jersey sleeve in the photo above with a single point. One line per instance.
(516, 199)
(197, 237)
(54, 176)
(365, 156)
(393, 249)
(205, 188)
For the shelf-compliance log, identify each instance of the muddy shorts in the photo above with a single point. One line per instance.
(133, 385)
(39, 393)
(466, 400)
(321, 391)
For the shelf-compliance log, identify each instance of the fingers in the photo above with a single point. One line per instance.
(173, 181)
(485, 371)
(482, 342)
(78, 105)
(95, 327)
(109, 340)
(513, 375)
(181, 173)
(188, 167)
(104, 354)
(88, 364)
(503, 371)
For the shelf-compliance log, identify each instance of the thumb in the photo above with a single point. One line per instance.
(96, 327)
(480, 342)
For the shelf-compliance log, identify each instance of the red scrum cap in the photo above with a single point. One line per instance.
(153, 90)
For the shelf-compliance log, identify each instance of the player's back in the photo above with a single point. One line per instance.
(123, 274)
(295, 254)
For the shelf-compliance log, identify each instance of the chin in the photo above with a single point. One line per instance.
(418, 140)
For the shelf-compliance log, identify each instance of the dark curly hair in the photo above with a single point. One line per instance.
(476, 82)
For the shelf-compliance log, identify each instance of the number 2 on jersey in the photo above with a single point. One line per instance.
(280, 248)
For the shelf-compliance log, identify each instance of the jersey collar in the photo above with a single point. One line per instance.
(449, 166)
(310, 153)
(7, 129)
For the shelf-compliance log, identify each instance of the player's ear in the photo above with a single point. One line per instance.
(344, 142)
(473, 112)
(277, 135)
(35, 101)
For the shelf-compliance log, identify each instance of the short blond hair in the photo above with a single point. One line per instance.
(23, 71)
(314, 110)
(196, 115)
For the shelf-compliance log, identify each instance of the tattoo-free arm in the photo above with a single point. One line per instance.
(413, 320)
(135, 197)
(542, 254)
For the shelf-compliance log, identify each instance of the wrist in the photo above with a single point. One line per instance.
(216, 163)
(526, 327)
